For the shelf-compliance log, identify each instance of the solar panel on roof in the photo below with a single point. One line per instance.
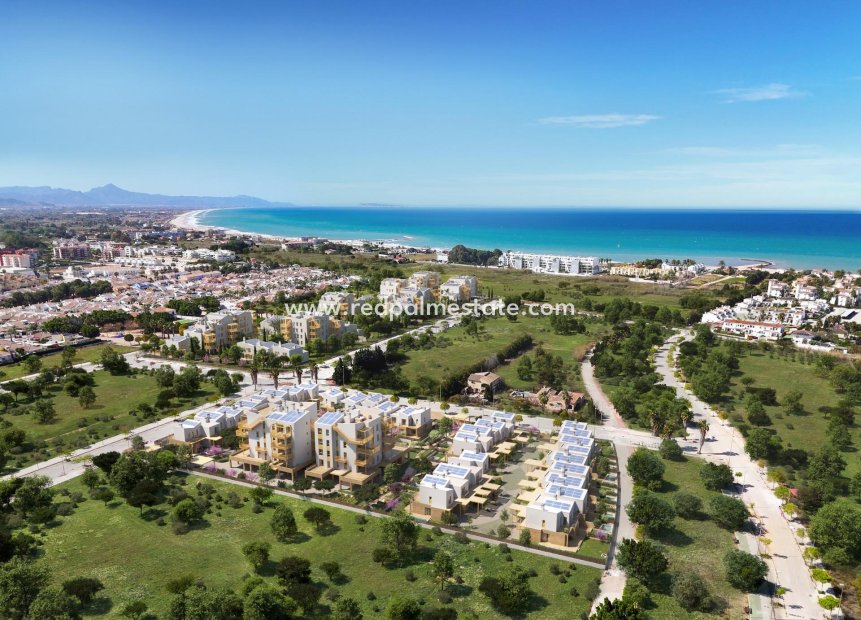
(550, 503)
(431, 479)
(330, 418)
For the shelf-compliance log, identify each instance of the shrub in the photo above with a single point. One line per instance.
(728, 512)
(743, 570)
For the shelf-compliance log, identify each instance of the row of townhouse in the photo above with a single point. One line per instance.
(758, 330)
(460, 482)
(250, 347)
(546, 263)
(554, 500)
(19, 259)
(303, 430)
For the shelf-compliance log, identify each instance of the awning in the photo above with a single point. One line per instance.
(320, 471)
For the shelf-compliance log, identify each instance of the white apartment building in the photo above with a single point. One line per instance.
(207, 427)
(460, 289)
(449, 486)
(19, 259)
(336, 304)
(753, 329)
(484, 434)
(251, 346)
(777, 289)
(306, 327)
(423, 279)
(221, 256)
(391, 287)
(218, 330)
(348, 446)
(545, 263)
(281, 437)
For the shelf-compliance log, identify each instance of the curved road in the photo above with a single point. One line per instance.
(726, 445)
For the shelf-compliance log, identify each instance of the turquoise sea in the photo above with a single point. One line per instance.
(803, 239)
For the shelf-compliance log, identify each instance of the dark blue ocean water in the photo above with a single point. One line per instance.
(801, 239)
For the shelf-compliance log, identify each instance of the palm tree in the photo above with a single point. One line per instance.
(314, 371)
(296, 363)
(275, 366)
(703, 425)
(254, 368)
(686, 417)
(543, 398)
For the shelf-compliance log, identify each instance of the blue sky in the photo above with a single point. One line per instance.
(434, 102)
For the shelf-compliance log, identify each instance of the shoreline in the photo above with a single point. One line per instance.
(190, 220)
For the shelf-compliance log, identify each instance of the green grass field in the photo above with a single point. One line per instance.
(466, 350)
(806, 431)
(506, 282)
(76, 427)
(695, 546)
(134, 557)
(83, 354)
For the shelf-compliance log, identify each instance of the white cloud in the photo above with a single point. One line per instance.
(766, 92)
(600, 121)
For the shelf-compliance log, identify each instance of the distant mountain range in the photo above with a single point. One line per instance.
(112, 196)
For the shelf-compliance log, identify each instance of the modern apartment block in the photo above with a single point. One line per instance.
(281, 437)
(423, 279)
(459, 289)
(337, 304)
(307, 327)
(555, 496)
(348, 446)
(546, 263)
(218, 330)
(19, 259)
(71, 251)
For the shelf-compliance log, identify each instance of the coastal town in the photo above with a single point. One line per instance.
(344, 376)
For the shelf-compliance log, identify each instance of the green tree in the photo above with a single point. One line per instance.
(716, 476)
(83, 588)
(54, 603)
(644, 560)
(187, 511)
(346, 608)
(646, 468)
(400, 532)
(257, 554)
(283, 524)
(260, 494)
(650, 511)
(837, 526)
(510, 593)
(20, 583)
(198, 602)
(670, 450)
(403, 608)
(762, 443)
(318, 516)
(267, 603)
(743, 570)
(443, 567)
(691, 592)
(292, 570)
(728, 512)
(687, 505)
(792, 402)
(86, 397)
(618, 609)
(44, 411)
(134, 610)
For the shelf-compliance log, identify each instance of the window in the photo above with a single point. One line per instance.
(427, 511)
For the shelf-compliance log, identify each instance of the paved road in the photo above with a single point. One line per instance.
(726, 445)
(626, 441)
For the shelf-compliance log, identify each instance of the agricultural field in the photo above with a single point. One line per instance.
(87, 544)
